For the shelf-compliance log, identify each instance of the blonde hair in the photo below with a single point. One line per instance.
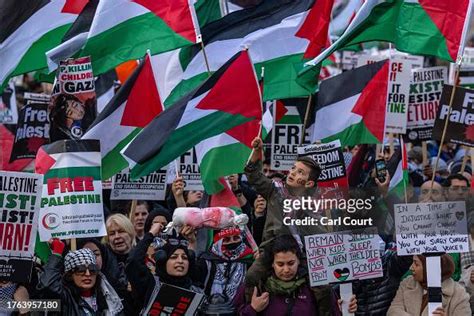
(123, 222)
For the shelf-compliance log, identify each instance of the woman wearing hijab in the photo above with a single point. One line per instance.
(174, 261)
(82, 289)
(412, 295)
(285, 289)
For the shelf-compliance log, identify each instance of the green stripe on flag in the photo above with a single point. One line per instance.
(212, 168)
(113, 162)
(183, 88)
(353, 135)
(186, 137)
(73, 172)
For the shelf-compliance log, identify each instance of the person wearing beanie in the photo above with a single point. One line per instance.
(412, 295)
(174, 263)
(82, 289)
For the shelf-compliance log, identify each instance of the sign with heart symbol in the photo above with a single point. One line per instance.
(459, 215)
(342, 274)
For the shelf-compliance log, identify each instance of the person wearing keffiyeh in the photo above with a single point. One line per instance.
(82, 289)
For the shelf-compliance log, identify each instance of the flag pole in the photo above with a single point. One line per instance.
(306, 116)
(403, 148)
(464, 159)
(453, 92)
(205, 57)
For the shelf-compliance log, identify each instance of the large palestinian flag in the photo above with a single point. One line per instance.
(132, 108)
(420, 27)
(351, 106)
(268, 30)
(29, 29)
(126, 29)
(217, 106)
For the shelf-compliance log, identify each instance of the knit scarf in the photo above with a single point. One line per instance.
(276, 286)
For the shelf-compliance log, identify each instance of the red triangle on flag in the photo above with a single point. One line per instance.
(372, 102)
(143, 103)
(316, 27)
(43, 161)
(281, 110)
(224, 198)
(223, 96)
(175, 13)
(449, 17)
(74, 6)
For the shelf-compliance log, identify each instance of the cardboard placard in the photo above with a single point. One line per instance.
(460, 128)
(342, 257)
(173, 300)
(20, 196)
(431, 228)
(32, 130)
(331, 160)
(190, 171)
(425, 94)
(71, 202)
(150, 187)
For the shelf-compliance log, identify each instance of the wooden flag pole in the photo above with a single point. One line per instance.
(306, 116)
(424, 152)
(133, 206)
(73, 244)
(451, 99)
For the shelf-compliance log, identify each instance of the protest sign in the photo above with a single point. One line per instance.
(331, 160)
(349, 59)
(425, 93)
(460, 128)
(431, 227)
(73, 103)
(32, 130)
(150, 187)
(8, 107)
(20, 196)
(286, 137)
(71, 203)
(342, 257)
(365, 58)
(188, 168)
(173, 300)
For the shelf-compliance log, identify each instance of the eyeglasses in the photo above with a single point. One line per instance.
(81, 269)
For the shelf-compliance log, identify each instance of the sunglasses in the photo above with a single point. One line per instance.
(176, 242)
(81, 269)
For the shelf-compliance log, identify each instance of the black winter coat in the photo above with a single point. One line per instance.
(51, 286)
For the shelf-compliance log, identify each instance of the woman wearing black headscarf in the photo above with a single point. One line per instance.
(174, 261)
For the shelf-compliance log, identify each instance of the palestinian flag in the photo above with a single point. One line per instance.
(272, 108)
(268, 30)
(217, 106)
(132, 108)
(31, 28)
(75, 38)
(351, 106)
(420, 27)
(125, 29)
(316, 28)
(399, 176)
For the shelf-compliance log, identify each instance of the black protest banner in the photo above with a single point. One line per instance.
(460, 128)
(20, 196)
(172, 300)
(331, 160)
(32, 130)
(73, 103)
